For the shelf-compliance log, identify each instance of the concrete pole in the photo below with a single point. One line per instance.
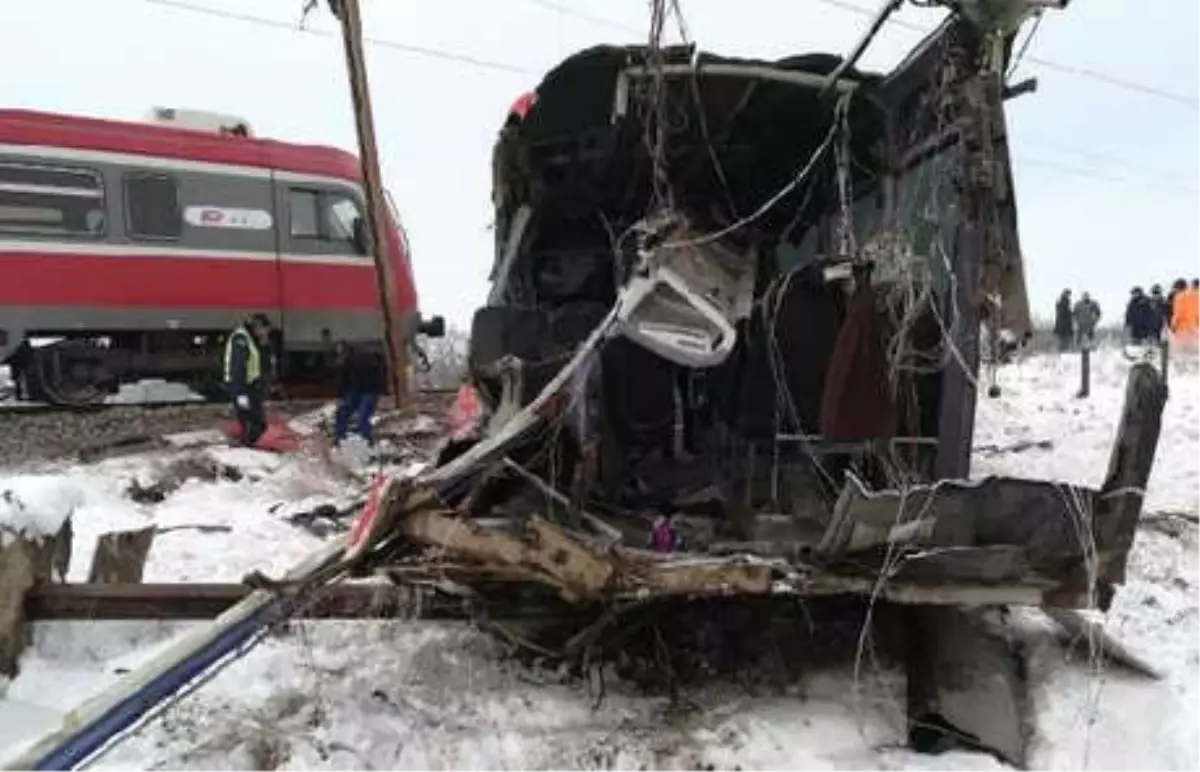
(376, 213)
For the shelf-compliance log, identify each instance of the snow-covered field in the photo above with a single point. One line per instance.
(395, 694)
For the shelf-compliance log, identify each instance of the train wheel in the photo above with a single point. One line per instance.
(68, 376)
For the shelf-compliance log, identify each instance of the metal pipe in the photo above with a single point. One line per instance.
(861, 47)
(93, 726)
(723, 70)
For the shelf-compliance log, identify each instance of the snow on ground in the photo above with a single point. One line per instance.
(153, 390)
(396, 694)
(35, 506)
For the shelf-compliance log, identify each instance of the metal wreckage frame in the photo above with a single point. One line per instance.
(747, 296)
(741, 301)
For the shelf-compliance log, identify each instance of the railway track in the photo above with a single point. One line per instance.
(31, 432)
(16, 407)
(40, 408)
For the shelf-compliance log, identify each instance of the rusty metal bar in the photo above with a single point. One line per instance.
(204, 601)
(178, 601)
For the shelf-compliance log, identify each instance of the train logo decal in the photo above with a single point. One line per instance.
(223, 217)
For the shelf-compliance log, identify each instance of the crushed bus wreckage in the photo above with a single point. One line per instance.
(730, 356)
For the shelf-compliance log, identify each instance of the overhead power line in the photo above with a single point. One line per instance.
(453, 56)
(472, 61)
(599, 20)
(1082, 72)
(1097, 174)
(408, 48)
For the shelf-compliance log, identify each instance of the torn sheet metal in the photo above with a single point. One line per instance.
(998, 540)
(686, 297)
(1044, 519)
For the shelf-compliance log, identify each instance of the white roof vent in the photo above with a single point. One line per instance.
(201, 120)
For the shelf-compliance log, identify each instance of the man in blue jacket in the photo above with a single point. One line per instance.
(247, 365)
(362, 377)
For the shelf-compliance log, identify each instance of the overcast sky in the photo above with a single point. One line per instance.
(1106, 176)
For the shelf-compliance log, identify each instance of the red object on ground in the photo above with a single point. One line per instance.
(464, 414)
(277, 438)
(362, 533)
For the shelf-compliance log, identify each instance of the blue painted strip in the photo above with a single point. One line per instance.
(92, 736)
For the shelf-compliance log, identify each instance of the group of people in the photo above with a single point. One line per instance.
(249, 366)
(1148, 317)
(1075, 325)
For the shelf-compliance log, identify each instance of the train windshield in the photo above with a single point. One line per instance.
(395, 215)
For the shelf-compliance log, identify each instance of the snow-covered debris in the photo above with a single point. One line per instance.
(35, 505)
(400, 693)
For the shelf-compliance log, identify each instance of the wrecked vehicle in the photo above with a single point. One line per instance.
(731, 349)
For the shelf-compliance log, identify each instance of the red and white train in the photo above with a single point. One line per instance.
(136, 247)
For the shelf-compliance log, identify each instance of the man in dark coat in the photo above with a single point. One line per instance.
(1087, 316)
(1141, 320)
(361, 377)
(1064, 324)
(1161, 306)
(247, 366)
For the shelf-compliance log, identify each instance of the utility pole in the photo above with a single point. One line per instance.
(347, 12)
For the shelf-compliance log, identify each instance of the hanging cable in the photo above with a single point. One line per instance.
(656, 112)
(408, 48)
(1016, 62)
(1081, 72)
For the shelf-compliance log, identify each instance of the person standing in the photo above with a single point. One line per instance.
(247, 363)
(1179, 285)
(361, 376)
(1184, 321)
(1064, 327)
(1086, 316)
(1162, 307)
(1141, 320)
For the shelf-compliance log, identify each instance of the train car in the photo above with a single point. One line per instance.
(135, 247)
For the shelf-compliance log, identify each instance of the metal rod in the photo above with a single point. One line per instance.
(101, 721)
(860, 48)
(548, 489)
(754, 71)
(1164, 359)
(199, 601)
(376, 213)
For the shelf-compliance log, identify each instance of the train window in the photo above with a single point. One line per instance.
(303, 206)
(51, 200)
(340, 216)
(152, 206)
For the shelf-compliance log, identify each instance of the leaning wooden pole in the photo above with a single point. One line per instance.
(376, 214)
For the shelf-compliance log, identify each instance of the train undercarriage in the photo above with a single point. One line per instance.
(73, 370)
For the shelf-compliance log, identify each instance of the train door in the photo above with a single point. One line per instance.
(328, 286)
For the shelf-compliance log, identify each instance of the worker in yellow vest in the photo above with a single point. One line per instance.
(247, 365)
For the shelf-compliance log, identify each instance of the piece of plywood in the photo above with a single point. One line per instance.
(543, 547)
(120, 556)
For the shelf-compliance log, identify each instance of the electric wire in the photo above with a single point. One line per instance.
(408, 48)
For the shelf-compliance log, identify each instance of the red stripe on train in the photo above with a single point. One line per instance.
(34, 279)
